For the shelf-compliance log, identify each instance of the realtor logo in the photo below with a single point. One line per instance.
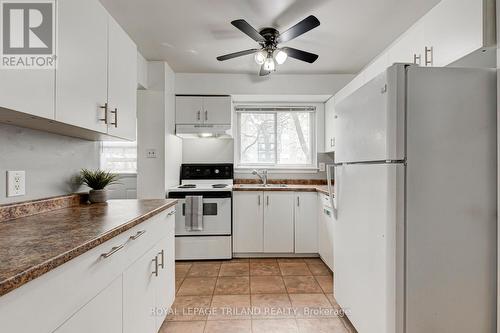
(28, 34)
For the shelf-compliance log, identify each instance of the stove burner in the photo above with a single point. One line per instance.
(188, 186)
(219, 185)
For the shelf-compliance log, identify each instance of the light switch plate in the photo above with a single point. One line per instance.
(151, 153)
(322, 167)
(16, 183)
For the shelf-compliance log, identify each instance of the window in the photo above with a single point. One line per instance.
(119, 157)
(276, 137)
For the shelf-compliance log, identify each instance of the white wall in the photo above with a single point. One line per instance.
(155, 130)
(50, 161)
(244, 84)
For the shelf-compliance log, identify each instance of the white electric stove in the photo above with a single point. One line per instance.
(212, 238)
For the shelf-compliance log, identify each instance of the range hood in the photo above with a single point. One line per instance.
(203, 131)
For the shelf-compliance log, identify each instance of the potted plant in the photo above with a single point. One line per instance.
(97, 180)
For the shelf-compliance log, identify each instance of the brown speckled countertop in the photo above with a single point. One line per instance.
(296, 188)
(33, 245)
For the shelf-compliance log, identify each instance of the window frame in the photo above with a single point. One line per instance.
(101, 152)
(248, 167)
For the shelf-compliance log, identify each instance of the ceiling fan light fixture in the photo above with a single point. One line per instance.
(280, 56)
(269, 64)
(260, 57)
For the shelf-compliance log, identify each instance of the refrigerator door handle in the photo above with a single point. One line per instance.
(329, 181)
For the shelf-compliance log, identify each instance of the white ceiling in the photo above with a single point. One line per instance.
(190, 34)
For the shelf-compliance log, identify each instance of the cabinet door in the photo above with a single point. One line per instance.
(409, 48)
(325, 237)
(165, 292)
(329, 125)
(139, 294)
(188, 109)
(278, 222)
(454, 29)
(306, 222)
(122, 83)
(81, 75)
(217, 110)
(103, 314)
(248, 222)
(28, 90)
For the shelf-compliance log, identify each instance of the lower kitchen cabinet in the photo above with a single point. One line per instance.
(103, 314)
(139, 292)
(278, 222)
(274, 222)
(248, 222)
(306, 222)
(116, 293)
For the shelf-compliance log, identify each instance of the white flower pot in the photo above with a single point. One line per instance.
(98, 196)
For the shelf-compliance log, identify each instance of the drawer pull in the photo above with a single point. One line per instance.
(155, 260)
(113, 250)
(138, 234)
(162, 254)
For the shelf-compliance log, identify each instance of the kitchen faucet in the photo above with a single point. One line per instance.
(262, 175)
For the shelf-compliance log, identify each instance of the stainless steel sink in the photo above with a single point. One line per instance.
(263, 186)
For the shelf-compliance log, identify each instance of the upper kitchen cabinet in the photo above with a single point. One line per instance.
(39, 83)
(210, 110)
(122, 83)
(454, 29)
(409, 48)
(82, 69)
(450, 31)
(330, 118)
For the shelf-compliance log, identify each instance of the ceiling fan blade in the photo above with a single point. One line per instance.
(263, 72)
(300, 55)
(236, 54)
(247, 29)
(300, 28)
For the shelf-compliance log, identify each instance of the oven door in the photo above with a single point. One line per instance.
(216, 214)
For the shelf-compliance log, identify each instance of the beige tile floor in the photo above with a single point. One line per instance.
(254, 296)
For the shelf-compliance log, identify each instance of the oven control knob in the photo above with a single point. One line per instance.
(217, 171)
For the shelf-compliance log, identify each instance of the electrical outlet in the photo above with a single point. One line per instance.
(322, 167)
(151, 153)
(16, 183)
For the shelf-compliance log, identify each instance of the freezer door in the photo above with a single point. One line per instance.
(370, 123)
(367, 233)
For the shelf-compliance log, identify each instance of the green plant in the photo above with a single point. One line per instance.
(97, 179)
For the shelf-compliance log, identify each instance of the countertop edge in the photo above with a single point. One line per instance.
(290, 188)
(34, 272)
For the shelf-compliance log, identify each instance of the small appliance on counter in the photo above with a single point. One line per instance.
(203, 222)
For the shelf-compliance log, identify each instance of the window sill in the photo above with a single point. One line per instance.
(248, 170)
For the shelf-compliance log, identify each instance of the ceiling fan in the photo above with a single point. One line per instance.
(269, 53)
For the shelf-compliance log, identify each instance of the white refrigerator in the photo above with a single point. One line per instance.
(415, 202)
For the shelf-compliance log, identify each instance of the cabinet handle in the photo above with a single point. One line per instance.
(198, 115)
(171, 213)
(417, 59)
(206, 115)
(105, 107)
(258, 199)
(113, 250)
(267, 200)
(138, 234)
(429, 56)
(298, 201)
(162, 254)
(115, 112)
(155, 260)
